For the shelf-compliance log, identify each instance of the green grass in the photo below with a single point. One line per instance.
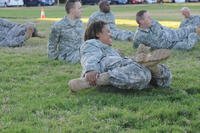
(35, 98)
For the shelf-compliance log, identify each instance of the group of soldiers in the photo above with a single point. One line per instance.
(103, 65)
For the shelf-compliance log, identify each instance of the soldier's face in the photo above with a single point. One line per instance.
(105, 7)
(186, 13)
(77, 10)
(105, 36)
(147, 20)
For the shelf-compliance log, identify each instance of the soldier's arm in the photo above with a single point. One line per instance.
(53, 43)
(137, 39)
(6, 23)
(136, 43)
(90, 57)
(181, 24)
(198, 21)
(91, 20)
(111, 21)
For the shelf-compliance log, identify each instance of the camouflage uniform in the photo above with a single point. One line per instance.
(158, 36)
(13, 34)
(124, 72)
(191, 21)
(109, 18)
(65, 40)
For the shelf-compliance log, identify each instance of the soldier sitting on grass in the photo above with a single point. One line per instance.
(66, 35)
(14, 35)
(189, 20)
(103, 65)
(156, 36)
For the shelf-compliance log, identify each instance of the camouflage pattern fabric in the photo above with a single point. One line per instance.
(191, 21)
(124, 73)
(158, 36)
(12, 34)
(109, 18)
(65, 40)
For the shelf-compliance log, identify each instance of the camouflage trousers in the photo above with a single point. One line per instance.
(188, 43)
(15, 36)
(123, 35)
(72, 56)
(136, 76)
(184, 38)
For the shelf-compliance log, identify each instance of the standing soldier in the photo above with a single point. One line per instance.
(107, 16)
(156, 36)
(66, 36)
(14, 35)
(189, 20)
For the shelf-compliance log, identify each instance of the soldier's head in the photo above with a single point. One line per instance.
(143, 18)
(104, 6)
(98, 30)
(185, 11)
(73, 8)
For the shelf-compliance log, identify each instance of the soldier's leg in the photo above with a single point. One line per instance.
(15, 36)
(125, 35)
(184, 32)
(6, 23)
(132, 76)
(36, 33)
(161, 76)
(149, 58)
(122, 35)
(81, 83)
(187, 43)
(114, 34)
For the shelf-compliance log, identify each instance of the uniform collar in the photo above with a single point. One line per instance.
(144, 30)
(70, 21)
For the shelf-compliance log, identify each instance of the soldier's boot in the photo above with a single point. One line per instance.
(81, 83)
(40, 35)
(156, 57)
(36, 33)
(143, 49)
(147, 58)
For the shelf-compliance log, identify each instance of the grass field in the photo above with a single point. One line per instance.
(35, 98)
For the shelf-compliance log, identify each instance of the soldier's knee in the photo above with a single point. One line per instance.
(164, 78)
(143, 79)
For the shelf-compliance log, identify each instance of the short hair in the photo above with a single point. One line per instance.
(102, 3)
(93, 29)
(139, 15)
(185, 9)
(70, 4)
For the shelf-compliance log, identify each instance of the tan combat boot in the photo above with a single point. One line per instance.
(81, 83)
(39, 34)
(151, 59)
(147, 58)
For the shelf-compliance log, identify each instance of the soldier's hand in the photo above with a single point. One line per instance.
(91, 77)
